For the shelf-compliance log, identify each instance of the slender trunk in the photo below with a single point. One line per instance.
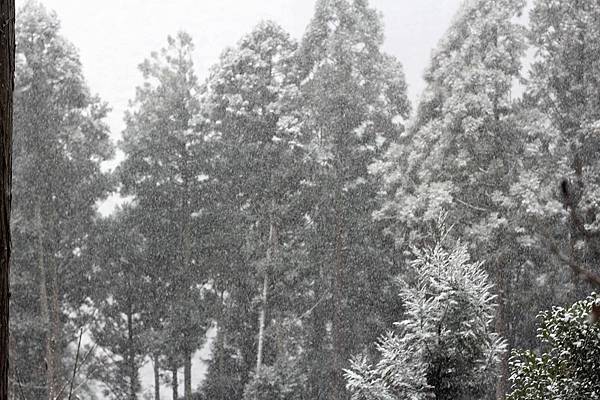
(502, 330)
(317, 379)
(337, 381)
(132, 370)
(265, 287)
(7, 69)
(45, 309)
(221, 339)
(261, 323)
(56, 328)
(175, 384)
(13, 386)
(187, 375)
(219, 355)
(265, 293)
(220, 347)
(156, 378)
(187, 256)
(501, 323)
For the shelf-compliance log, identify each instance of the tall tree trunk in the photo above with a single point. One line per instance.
(186, 244)
(502, 329)
(7, 71)
(156, 368)
(220, 333)
(131, 367)
(187, 375)
(56, 328)
(265, 294)
(175, 383)
(501, 323)
(187, 356)
(317, 379)
(261, 323)
(45, 308)
(265, 286)
(219, 359)
(13, 373)
(338, 351)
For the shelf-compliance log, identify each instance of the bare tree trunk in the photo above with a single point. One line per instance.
(317, 379)
(156, 367)
(7, 71)
(220, 334)
(265, 295)
(265, 287)
(337, 380)
(187, 375)
(45, 308)
(132, 369)
(261, 323)
(175, 383)
(13, 387)
(56, 329)
(188, 348)
(502, 330)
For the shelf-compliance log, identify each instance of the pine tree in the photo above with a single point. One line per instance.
(353, 102)
(564, 86)
(550, 200)
(165, 175)
(248, 101)
(121, 277)
(60, 142)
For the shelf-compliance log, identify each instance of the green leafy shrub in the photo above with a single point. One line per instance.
(569, 367)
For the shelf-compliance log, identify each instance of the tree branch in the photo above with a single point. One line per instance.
(471, 206)
(62, 389)
(75, 366)
(580, 225)
(590, 276)
(570, 202)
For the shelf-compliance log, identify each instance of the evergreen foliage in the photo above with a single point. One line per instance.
(444, 348)
(279, 204)
(166, 174)
(60, 141)
(568, 365)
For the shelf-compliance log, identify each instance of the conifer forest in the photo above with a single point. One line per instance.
(293, 226)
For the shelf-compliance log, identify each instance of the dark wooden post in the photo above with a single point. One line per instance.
(7, 72)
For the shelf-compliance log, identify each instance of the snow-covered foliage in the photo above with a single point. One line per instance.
(569, 368)
(276, 203)
(444, 348)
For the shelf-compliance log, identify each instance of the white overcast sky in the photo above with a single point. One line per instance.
(114, 36)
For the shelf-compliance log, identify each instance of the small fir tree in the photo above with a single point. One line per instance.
(444, 348)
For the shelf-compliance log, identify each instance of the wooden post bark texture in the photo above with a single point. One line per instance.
(7, 70)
